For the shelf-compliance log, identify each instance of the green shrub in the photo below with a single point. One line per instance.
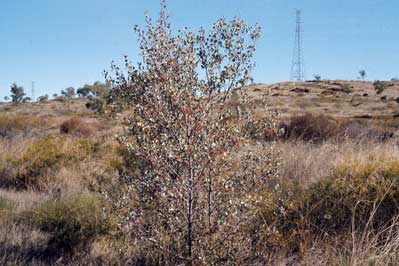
(5, 204)
(49, 154)
(379, 86)
(359, 192)
(96, 104)
(72, 222)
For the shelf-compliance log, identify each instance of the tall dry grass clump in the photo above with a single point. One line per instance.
(349, 205)
(310, 127)
(79, 127)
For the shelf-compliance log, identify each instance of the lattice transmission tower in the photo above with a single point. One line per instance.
(298, 62)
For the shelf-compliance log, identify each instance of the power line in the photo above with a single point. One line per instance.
(298, 65)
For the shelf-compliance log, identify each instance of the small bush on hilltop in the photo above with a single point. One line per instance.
(379, 86)
(43, 98)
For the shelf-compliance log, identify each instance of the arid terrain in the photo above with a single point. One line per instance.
(335, 201)
(338, 98)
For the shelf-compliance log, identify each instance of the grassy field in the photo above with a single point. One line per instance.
(335, 201)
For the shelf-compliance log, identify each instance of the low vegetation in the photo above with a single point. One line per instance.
(16, 125)
(72, 222)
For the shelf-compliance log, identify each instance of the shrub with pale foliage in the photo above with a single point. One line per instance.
(193, 177)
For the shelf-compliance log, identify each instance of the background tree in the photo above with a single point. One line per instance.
(317, 77)
(190, 186)
(26, 99)
(43, 98)
(362, 74)
(84, 92)
(18, 94)
(67, 95)
(6, 98)
(97, 95)
(98, 89)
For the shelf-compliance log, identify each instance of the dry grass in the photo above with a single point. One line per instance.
(306, 162)
(79, 127)
(88, 160)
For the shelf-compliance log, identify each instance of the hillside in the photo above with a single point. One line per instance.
(348, 99)
(338, 98)
(337, 168)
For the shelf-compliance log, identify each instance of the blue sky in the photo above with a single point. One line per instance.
(62, 43)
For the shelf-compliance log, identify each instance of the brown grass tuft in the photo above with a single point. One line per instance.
(310, 127)
(79, 127)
